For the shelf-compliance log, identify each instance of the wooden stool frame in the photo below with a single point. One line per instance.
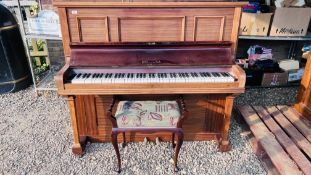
(175, 131)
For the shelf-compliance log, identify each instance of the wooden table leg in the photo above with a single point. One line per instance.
(224, 144)
(78, 142)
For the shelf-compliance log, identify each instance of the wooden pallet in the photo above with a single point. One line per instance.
(284, 136)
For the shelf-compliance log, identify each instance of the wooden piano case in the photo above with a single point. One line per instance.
(102, 21)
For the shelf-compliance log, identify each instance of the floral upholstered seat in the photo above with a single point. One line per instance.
(147, 114)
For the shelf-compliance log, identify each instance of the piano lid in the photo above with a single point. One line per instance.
(151, 54)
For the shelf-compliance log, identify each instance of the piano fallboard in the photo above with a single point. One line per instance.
(155, 54)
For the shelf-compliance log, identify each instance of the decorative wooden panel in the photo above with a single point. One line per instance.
(86, 115)
(153, 24)
(208, 28)
(151, 28)
(93, 28)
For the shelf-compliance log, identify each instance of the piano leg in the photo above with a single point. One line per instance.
(224, 144)
(78, 142)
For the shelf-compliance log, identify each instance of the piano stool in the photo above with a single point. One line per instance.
(148, 117)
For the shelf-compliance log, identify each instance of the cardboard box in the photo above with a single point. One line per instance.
(274, 79)
(288, 64)
(255, 24)
(295, 75)
(290, 22)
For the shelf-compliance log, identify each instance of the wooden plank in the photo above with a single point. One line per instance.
(255, 145)
(278, 156)
(303, 125)
(295, 135)
(290, 147)
(260, 153)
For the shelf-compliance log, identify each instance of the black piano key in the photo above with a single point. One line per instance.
(84, 75)
(214, 74)
(88, 75)
(94, 75)
(79, 75)
(101, 75)
(226, 74)
(208, 74)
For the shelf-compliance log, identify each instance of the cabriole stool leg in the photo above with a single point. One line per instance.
(180, 138)
(173, 140)
(116, 148)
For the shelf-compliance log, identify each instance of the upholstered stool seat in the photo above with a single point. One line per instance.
(149, 117)
(147, 114)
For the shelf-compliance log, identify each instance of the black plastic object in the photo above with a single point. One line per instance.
(253, 77)
(14, 68)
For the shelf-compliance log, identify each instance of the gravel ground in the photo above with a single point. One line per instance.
(35, 138)
(268, 96)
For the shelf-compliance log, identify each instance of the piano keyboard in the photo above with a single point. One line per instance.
(170, 77)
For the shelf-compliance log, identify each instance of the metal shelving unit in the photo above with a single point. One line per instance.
(291, 53)
(279, 38)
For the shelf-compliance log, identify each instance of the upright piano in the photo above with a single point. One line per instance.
(136, 59)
